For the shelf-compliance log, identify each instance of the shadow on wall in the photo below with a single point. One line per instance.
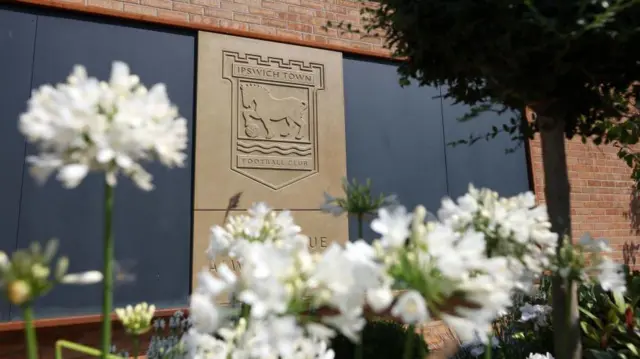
(629, 253)
(630, 249)
(634, 211)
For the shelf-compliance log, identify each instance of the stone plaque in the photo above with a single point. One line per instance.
(321, 229)
(270, 123)
(273, 118)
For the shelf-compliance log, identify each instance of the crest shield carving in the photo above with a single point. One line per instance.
(274, 117)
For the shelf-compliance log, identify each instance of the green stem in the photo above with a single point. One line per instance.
(107, 295)
(89, 351)
(245, 311)
(408, 346)
(488, 349)
(360, 226)
(359, 346)
(421, 347)
(136, 346)
(30, 332)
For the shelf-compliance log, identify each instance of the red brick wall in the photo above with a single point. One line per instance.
(602, 200)
(291, 19)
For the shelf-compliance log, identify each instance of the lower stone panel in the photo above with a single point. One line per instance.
(321, 228)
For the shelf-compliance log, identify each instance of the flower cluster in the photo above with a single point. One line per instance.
(477, 347)
(87, 125)
(609, 274)
(462, 267)
(136, 320)
(538, 314)
(540, 356)
(587, 261)
(296, 300)
(468, 263)
(513, 228)
(28, 273)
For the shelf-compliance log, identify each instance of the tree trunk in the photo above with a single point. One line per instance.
(566, 321)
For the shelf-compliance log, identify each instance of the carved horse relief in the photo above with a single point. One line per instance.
(259, 104)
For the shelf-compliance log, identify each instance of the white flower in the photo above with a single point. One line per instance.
(611, 276)
(455, 253)
(540, 356)
(204, 313)
(379, 299)
(334, 275)
(370, 276)
(261, 225)
(393, 225)
(411, 308)
(204, 346)
(468, 329)
(478, 346)
(264, 273)
(219, 242)
(594, 245)
(86, 125)
(259, 210)
(89, 277)
(287, 229)
(212, 286)
(4, 261)
(349, 323)
(538, 314)
(519, 230)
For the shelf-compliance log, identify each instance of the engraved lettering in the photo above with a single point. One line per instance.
(315, 243)
(288, 163)
(318, 242)
(252, 72)
(233, 264)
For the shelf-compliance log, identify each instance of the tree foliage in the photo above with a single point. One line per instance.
(572, 60)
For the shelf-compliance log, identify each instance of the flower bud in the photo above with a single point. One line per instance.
(89, 277)
(4, 261)
(136, 320)
(39, 271)
(61, 267)
(288, 288)
(419, 215)
(18, 292)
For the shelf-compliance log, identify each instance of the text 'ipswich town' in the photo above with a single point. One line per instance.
(272, 74)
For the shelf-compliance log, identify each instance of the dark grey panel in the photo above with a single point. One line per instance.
(484, 163)
(17, 35)
(394, 135)
(152, 230)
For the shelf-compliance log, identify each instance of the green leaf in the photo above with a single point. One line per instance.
(61, 268)
(597, 321)
(589, 331)
(50, 250)
(632, 348)
(612, 317)
(620, 303)
(598, 354)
